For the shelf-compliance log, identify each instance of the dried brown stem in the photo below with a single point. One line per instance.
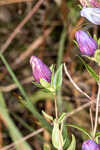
(23, 139)
(6, 2)
(13, 86)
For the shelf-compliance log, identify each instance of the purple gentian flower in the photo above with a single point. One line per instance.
(90, 145)
(40, 70)
(86, 43)
(92, 14)
(90, 3)
(94, 3)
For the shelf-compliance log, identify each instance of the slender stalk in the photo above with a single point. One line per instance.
(91, 117)
(97, 107)
(59, 61)
(56, 110)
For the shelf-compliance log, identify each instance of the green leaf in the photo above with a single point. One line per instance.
(75, 43)
(51, 68)
(57, 82)
(57, 138)
(73, 144)
(80, 129)
(95, 37)
(37, 84)
(14, 132)
(97, 56)
(97, 134)
(99, 42)
(47, 116)
(62, 117)
(44, 83)
(90, 70)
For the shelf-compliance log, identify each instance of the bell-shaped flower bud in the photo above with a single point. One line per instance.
(90, 145)
(40, 70)
(90, 3)
(94, 3)
(92, 14)
(86, 43)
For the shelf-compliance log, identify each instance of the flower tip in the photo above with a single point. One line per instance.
(90, 145)
(32, 59)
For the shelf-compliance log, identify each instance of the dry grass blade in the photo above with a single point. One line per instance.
(18, 28)
(23, 139)
(14, 86)
(6, 2)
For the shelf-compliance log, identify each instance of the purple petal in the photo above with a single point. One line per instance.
(40, 70)
(90, 145)
(86, 43)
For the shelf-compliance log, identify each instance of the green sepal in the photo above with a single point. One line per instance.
(62, 117)
(47, 116)
(95, 37)
(44, 83)
(37, 84)
(97, 56)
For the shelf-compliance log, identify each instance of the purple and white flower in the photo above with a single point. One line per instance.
(40, 70)
(90, 145)
(92, 14)
(86, 43)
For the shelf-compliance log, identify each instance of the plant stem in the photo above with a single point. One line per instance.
(56, 110)
(91, 117)
(59, 61)
(97, 107)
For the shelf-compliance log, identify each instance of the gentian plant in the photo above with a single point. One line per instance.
(50, 81)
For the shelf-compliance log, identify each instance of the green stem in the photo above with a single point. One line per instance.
(97, 107)
(59, 61)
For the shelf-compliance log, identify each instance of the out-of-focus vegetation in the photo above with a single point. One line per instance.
(48, 34)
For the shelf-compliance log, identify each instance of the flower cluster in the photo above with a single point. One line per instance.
(89, 46)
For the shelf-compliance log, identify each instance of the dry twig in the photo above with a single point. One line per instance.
(6, 2)
(23, 139)
(18, 28)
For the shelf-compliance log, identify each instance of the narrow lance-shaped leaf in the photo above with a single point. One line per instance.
(80, 129)
(73, 144)
(90, 70)
(57, 82)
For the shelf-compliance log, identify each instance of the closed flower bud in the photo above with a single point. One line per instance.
(86, 43)
(95, 3)
(90, 145)
(90, 3)
(40, 70)
(92, 14)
